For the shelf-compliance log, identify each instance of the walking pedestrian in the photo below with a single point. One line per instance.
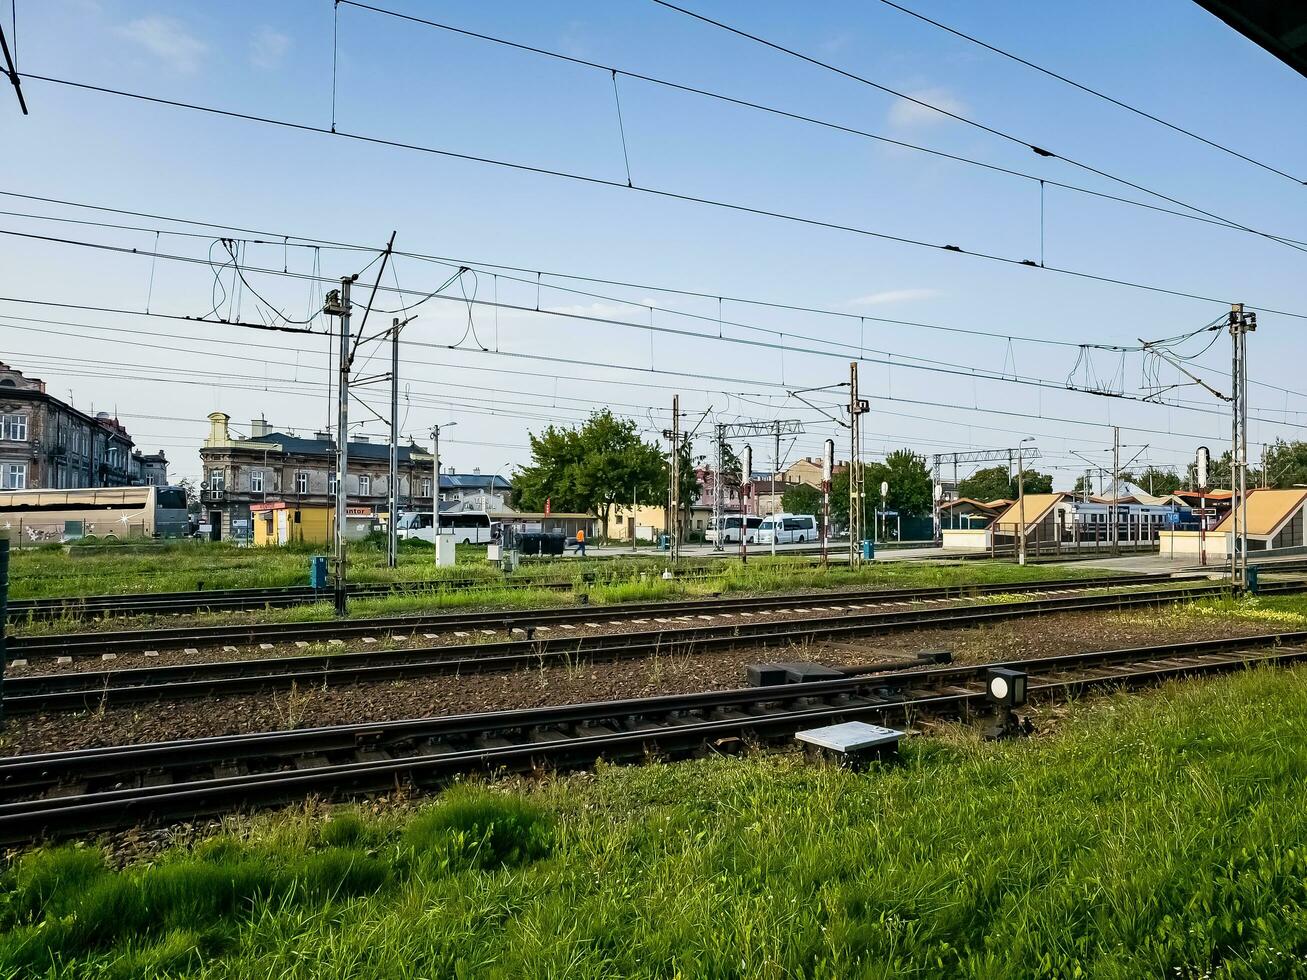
(580, 542)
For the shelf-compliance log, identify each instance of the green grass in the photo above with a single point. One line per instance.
(185, 566)
(1151, 836)
(614, 582)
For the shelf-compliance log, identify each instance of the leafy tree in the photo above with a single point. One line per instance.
(1084, 483)
(1286, 463)
(1158, 481)
(800, 498)
(1036, 482)
(690, 487)
(991, 483)
(910, 488)
(591, 468)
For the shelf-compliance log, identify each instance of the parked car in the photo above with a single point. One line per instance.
(788, 529)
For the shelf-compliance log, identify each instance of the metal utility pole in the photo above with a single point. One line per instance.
(857, 490)
(827, 472)
(338, 305)
(435, 485)
(719, 489)
(746, 486)
(674, 544)
(1241, 324)
(392, 523)
(1202, 462)
(1116, 487)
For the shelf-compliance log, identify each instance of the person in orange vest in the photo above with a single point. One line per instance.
(580, 541)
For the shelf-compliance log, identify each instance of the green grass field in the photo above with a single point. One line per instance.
(185, 566)
(1158, 835)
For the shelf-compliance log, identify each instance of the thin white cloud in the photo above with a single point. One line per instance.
(167, 40)
(908, 115)
(892, 296)
(268, 47)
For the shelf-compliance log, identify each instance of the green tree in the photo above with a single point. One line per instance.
(591, 468)
(910, 488)
(800, 498)
(690, 485)
(991, 483)
(1286, 464)
(1036, 482)
(1158, 481)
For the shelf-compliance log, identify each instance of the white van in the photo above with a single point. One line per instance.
(788, 529)
(731, 529)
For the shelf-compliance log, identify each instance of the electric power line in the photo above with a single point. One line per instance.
(661, 193)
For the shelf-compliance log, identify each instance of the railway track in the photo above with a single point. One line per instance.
(62, 794)
(92, 690)
(98, 643)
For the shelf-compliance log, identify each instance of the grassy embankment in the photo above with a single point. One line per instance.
(1149, 836)
(633, 579)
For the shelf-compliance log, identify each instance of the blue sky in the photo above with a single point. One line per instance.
(405, 82)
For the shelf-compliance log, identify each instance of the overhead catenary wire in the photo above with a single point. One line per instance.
(957, 116)
(661, 193)
(974, 408)
(537, 279)
(1192, 212)
(1096, 93)
(923, 365)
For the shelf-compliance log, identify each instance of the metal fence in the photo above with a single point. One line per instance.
(1049, 539)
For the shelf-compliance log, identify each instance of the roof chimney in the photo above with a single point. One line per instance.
(258, 427)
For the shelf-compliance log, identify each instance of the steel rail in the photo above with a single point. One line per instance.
(83, 790)
(99, 642)
(93, 690)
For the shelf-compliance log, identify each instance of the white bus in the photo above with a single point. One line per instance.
(466, 527)
(788, 529)
(111, 513)
(731, 529)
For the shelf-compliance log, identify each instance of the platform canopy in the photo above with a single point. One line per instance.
(1279, 26)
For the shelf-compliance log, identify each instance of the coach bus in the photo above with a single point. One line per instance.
(466, 526)
(30, 517)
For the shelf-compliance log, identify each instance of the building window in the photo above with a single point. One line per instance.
(13, 428)
(256, 481)
(331, 485)
(365, 485)
(301, 482)
(216, 479)
(426, 488)
(13, 476)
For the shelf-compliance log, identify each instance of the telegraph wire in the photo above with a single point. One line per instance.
(1038, 150)
(1093, 91)
(656, 192)
(1193, 213)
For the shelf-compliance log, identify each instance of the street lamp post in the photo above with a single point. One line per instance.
(435, 486)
